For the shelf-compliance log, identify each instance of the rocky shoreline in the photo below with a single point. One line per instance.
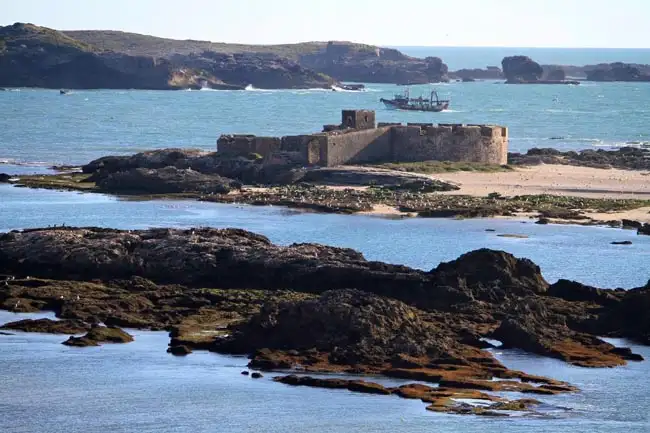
(316, 309)
(401, 190)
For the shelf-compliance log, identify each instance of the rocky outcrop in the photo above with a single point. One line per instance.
(40, 57)
(644, 229)
(524, 70)
(618, 72)
(351, 326)
(165, 181)
(98, 335)
(626, 157)
(369, 64)
(179, 350)
(315, 308)
(555, 74)
(489, 73)
(48, 326)
(518, 69)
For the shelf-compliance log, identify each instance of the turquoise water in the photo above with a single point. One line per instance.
(417, 242)
(480, 57)
(41, 126)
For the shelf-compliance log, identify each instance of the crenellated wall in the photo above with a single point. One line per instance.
(357, 140)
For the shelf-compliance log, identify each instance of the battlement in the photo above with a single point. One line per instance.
(359, 139)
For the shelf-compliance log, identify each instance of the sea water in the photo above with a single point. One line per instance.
(48, 387)
(43, 127)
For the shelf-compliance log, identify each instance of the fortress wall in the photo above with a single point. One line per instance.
(245, 144)
(486, 144)
(447, 142)
(367, 145)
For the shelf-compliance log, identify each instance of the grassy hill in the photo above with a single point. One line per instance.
(137, 44)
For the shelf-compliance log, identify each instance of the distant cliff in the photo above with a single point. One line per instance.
(32, 56)
(343, 61)
(366, 63)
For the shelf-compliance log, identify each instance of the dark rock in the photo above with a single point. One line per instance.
(631, 224)
(99, 334)
(490, 73)
(4, 177)
(542, 220)
(165, 181)
(245, 373)
(367, 176)
(365, 64)
(256, 375)
(560, 213)
(534, 334)
(179, 350)
(356, 385)
(518, 69)
(617, 72)
(574, 291)
(626, 353)
(48, 326)
(40, 57)
(621, 243)
(353, 327)
(490, 275)
(629, 318)
(625, 158)
(6, 333)
(556, 74)
(644, 229)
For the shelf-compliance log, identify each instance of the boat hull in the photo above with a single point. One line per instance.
(396, 105)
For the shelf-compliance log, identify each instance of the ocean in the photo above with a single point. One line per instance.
(47, 387)
(42, 127)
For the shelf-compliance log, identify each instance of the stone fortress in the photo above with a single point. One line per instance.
(358, 139)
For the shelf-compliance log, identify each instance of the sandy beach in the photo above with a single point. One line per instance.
(564, 180)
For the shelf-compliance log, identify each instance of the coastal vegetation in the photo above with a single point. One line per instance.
(433, 167)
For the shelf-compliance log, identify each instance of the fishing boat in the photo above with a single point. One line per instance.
(405, 102)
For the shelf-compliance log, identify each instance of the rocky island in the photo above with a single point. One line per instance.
(425, 170)
(312, 308)
(33, 56)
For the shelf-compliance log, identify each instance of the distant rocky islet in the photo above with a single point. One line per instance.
(33, 56)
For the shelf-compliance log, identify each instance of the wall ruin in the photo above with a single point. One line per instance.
(364, 142)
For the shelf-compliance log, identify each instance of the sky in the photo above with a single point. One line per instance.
(495, 23)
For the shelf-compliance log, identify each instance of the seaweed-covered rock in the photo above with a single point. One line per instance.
(98, 335)
(48, 326)
(354, 327)
(165, 180)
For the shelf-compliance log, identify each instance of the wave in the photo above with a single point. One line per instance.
(19, 163)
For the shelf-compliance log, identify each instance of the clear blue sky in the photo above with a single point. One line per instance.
(519, 23)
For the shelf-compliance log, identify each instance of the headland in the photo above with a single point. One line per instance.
(34, 56)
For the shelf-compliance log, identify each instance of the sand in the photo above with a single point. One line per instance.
(554, 179)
